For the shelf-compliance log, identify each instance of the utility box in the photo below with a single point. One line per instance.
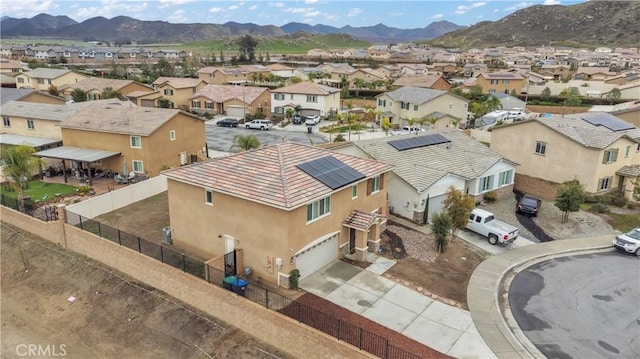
(166, 235)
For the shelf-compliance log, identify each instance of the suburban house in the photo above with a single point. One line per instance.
(41, 79)
(94, 86)
(177, 90)
(28, 95)
(11, 67)
(597, 149)
(308, 97)
(505, 82)
(555, 72)
(124, 138)
(415, 103)
(427, 164)
(436, 82)
(593, 73)
(232, 75)
(234, 101)
(278, 208)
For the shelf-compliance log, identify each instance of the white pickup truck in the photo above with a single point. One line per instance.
(484, 223)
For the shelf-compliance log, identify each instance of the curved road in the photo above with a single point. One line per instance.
(584, 306)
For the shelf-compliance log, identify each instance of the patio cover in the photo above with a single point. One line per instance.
(77, 154)
(11, 139)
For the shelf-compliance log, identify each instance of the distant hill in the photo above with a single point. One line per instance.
(123, 29)
(595, 23)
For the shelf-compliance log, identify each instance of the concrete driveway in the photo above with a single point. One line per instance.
(442, 327)
(482, 242)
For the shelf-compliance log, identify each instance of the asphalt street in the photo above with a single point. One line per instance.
(585, 306)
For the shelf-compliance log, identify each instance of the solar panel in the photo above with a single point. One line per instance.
(609, 121)
(418, 141)
(331, 171)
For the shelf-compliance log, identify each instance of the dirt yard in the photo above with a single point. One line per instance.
(112, 316)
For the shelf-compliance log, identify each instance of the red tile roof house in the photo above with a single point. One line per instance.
(234, 101)
(279, 207)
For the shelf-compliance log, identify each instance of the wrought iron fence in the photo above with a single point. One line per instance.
(327, 323)
(45, 213)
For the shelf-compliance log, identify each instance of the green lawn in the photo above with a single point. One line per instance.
(624, 222)
(37, 190)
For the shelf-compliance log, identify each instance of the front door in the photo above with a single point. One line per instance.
(352, 240)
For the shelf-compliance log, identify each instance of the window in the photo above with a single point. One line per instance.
(382, 103)
(40, 81)
(208, 197)
(494, 82)
(208, 105)
(415, 107)
(136, 142)
(6, 122)
(627, 151)
(278, 96)
(354, 191)
(505, 82)
(138, 166)
(168, 92)
(492, 90)
(20, 80)
(172, 135)
(31, 125)
(604, 183)
(541, 148)
(318, 208)
(610, 156)
(505, 178)
(312, 98)
(486, 184)
(375, 184)
(404, 105)
(195, 104)
(278, 109)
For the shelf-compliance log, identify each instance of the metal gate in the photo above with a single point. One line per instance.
(230, 264)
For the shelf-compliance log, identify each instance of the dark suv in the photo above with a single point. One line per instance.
(298, 119)
(528, 205)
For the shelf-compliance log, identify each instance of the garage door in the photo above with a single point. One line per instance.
(309, 112)
(317, 255)
(235, 111)
(435, 205)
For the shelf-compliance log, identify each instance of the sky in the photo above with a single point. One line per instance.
(337, 13)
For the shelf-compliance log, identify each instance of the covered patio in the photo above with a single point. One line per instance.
(81, 159)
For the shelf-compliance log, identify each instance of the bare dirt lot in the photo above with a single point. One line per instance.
(111, 317)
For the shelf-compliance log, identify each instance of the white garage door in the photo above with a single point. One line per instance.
(435, 205)
(317, 255)
(235, 111)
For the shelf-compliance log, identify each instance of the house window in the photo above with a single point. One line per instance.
(610, 156)
(505, 178)
(604, 183)
(208, 105)
(278, 96)
(492, 90)
(404, 105)
(208, 197)
(541, 148)
(312, 98)
(291, 97)
(31, 125)
(168, 92)
(494, 82)
(172, 135)
(382, 103)
(486, 184)
(627, 151)
(6, 122)
(195, 104)
(278, 109)
(136, 142)
(20, 80)
(354, 191)
(375, 184)
(415, 107)
(41, 81)
(138, 166)
(505, 82)
(318, 208)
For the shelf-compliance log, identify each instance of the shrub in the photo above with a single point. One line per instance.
(633, 205)
(490, 197)
(294, 275)
(591, 199)
(619, 201)
(599, 207)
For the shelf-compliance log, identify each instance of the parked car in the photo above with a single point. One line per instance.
(298, 119)
(227, 122)
(261, 124)
(629, 242)
(412, 129)
(484, 223)
(517, 114)
(312, 120)
(528, 205)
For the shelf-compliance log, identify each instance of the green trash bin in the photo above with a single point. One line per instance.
(228, 282)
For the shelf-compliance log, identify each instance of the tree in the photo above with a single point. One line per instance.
(53, 90)
(19, 166)
(430, 120)
(545, 95)
(290, 112)
(245, 143)
(163, 68)
(458, 205)
(247, 47)
(78, 95)
(385, 125)
(569, 197)
(441, 225)
(492, 103)
(571, 96)
(109, 92)
(614, 95)
(474, 93)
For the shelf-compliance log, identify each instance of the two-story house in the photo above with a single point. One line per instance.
(415, 103)
(41, 79)
(233, 101)
(309, 97)
(278, 208)
(505, 82)
(594, 148)
(177, 90)
(223, 75)
(436, 82)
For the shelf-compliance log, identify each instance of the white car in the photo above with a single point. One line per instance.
(312, 120)
(262, 125)
(629, 242)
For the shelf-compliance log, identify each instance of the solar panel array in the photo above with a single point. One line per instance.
(608, 121)
(418, 141)
(331, 171)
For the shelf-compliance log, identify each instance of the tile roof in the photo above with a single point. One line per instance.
(12, 94)
(362, 220)
(417, 80)
(416, 95)
(307, 88)
(629, 171)
(269, 174)
(45, 111)
(422, 167)
(224, 93)
(97, 83)
(501, 76)
(45, 73)
(177, 82)
(125, 118)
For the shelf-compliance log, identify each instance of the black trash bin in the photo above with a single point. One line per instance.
(235, 284)
(309, 129)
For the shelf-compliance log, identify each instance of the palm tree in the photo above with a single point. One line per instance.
(492, 103)
(245, 143)
(78, 95)
(109, 92)
(19, 165)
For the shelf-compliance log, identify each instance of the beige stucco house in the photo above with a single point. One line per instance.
(28, 95)
(231, 75)
(415, 103)
(504, 82)
(177, 90)
(94, 86)
(597, 149)
(41, 79)
(310, 97)
(271, 208)
(233, 101)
